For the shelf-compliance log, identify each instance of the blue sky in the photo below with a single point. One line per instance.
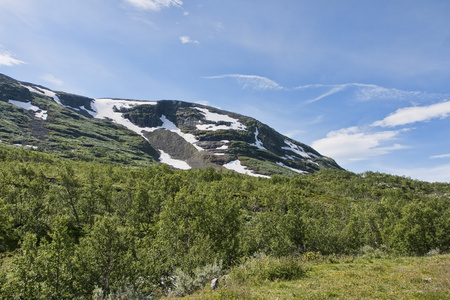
(365, 82)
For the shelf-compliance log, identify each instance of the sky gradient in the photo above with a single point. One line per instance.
(364, 82)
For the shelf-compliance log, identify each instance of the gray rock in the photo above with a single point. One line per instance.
(215, 283)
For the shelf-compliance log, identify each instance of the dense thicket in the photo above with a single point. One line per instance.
(70, 229)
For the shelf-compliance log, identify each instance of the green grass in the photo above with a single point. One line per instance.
(349, 278)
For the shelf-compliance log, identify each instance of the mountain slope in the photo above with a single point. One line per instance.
(184, 135)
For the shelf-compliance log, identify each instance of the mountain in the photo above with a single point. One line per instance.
(181, 134)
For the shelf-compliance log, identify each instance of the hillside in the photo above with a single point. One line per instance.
(181, 134)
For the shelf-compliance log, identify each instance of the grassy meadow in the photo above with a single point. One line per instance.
(364, 277)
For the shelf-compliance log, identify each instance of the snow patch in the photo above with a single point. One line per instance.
(313, 162)
(28, 146)
(169, 125)
(51, 94)
(215, 117)
(45, 92)
(292, 169)
(176, 163)
(223, 147)
(296, 149)
(38, 113)
(258, 143)
(104, 108)
(236, 166)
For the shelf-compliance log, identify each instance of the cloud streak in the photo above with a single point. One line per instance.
(154, 5)
(330, 92)
(409, 115)
(441, 156)
(52, 79)
(361, 91)
(6, 59)
(369, 92)
(251, 81)
(351, 144)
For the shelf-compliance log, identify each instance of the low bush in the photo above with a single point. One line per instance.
(267, 268)
(185, 283)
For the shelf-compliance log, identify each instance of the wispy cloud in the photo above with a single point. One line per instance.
(52, 79)
(186, 40)
(252, 81)
(219, 27)
(351, 144)
(409, 115)
(293, 133)
(374, 92)
(6, 59)
(154, 5)
(368, 92)
(330, 92)
(441, 156)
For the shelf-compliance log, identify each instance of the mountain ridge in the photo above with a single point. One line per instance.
(182, 134)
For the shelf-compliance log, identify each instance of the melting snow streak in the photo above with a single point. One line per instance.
(236, 166)
(176, 163)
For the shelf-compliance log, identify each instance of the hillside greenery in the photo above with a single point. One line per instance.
(74, 229)
(68, 134)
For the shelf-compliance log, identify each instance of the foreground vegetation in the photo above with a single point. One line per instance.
(89, 230)
(369, 276)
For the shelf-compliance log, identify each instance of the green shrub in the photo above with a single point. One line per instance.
(185, 283)
(267, 268)
(312, 256)
(125, 293)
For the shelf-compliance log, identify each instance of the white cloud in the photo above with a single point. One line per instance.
(414, 114)
(441, 156)
(52, 79)
(185, 40)
(253, 81)
(7, 60)
(155, 5)
(350, 144)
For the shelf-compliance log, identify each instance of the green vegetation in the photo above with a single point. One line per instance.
(346, 277)
(75, 229)
(70, 135)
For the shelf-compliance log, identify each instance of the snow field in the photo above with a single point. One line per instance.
(215, 117)
(38, 113)
(176, 163)
(236, 166)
